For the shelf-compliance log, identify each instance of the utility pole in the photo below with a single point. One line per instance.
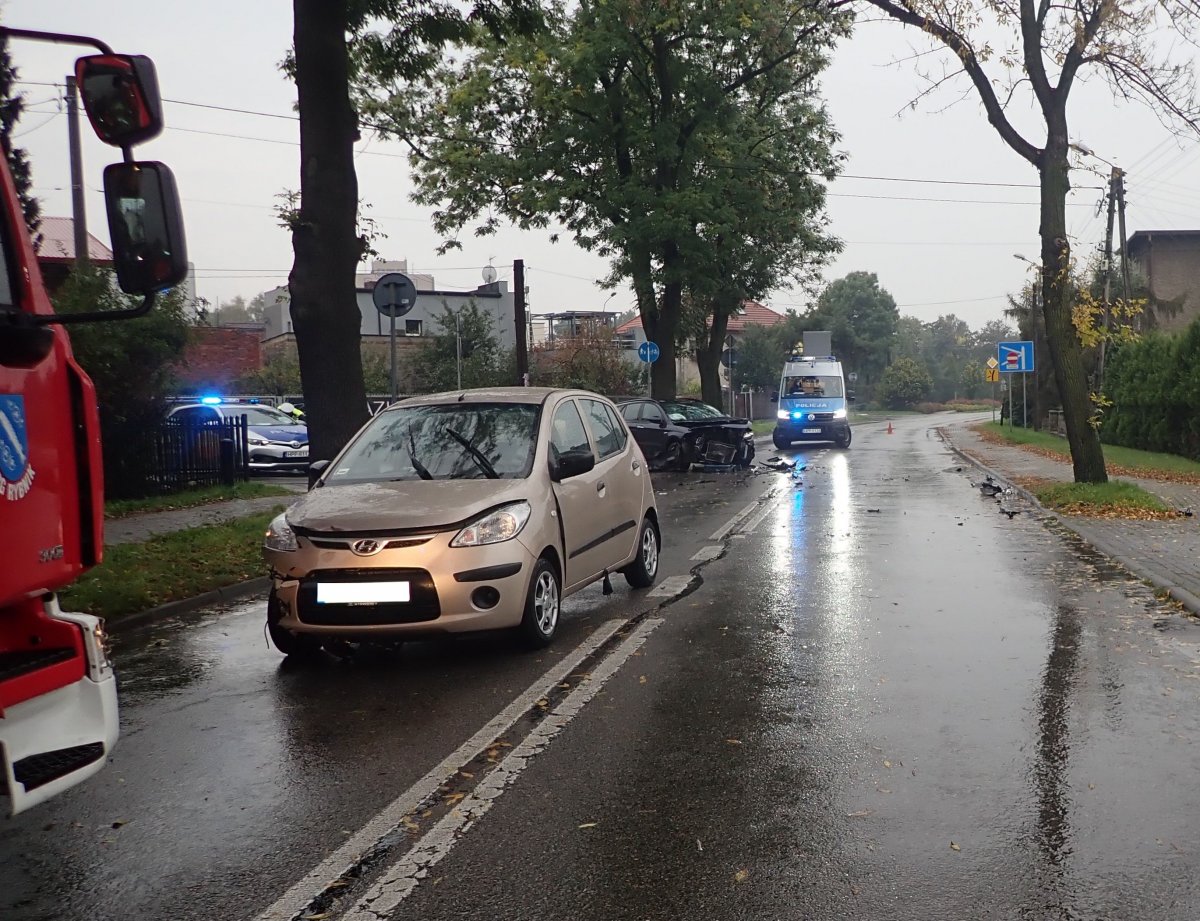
(1113, 180)
(78, 215)
(1119, 180)
(520, 321)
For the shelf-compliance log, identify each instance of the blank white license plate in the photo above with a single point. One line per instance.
(295, 454)
(810, 431)
(362, 592)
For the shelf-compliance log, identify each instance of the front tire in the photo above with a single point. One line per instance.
(543, 606)
(844, 439)
(781, 443)
(642, 572)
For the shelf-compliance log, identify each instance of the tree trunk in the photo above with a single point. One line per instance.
(663, 373)
(708, 357)
(325, 242)
(1065, 349)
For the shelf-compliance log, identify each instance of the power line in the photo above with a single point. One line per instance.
(955, 201)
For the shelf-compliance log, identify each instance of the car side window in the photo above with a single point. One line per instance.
(622, 432)
(566, 430)
(604, 428)
(630, 411)
(651, 413)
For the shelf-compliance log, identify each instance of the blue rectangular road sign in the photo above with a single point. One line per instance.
(1015, 357)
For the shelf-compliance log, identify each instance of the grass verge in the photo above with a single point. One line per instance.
(1115, 499)
(1119, 460)
(204, 495)
(137, 577)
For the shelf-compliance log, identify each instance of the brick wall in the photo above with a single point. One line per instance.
(1172, 266)
(218, 356)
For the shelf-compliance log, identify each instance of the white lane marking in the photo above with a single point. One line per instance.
(747, 529)
(296, 899)
(669, 588)
(707, 553)
(732, 522)
(402, 877)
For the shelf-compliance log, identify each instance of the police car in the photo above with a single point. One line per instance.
(277, 441)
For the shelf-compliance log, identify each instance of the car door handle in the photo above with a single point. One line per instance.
(637, 465)
(600, 487)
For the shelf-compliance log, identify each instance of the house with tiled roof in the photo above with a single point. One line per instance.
(56, 254)
(753, 313)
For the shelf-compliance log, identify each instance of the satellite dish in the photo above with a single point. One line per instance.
(489, 274)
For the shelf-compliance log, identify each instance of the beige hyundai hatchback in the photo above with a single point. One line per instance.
(464, 511)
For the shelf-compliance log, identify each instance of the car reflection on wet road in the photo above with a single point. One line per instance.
(869, 696)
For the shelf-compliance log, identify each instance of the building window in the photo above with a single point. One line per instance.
(412, 327)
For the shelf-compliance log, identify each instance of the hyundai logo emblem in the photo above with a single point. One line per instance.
(295, 444)
(366, 547)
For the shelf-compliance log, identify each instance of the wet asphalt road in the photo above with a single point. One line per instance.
(884, 700)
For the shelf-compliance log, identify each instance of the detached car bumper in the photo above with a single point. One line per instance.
(400, 591)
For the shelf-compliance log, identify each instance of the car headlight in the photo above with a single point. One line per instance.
(748, 436)
(839, 414)
(280, 535)
(256, 439)
(494, 527)
(783, 414)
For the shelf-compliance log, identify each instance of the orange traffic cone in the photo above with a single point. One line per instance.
(890, 430)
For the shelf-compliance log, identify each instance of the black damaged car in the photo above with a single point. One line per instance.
(674, 434)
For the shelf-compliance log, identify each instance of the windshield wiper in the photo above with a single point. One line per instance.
(412, 456)
(478, 456)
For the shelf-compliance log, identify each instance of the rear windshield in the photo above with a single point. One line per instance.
(813, 386)
(459, 441)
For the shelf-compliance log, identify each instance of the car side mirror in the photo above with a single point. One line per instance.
(573, 463)
(315, 469)
(144, 222)
(120, 96)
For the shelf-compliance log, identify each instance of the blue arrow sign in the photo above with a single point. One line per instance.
(648, 352)
(1015, 357)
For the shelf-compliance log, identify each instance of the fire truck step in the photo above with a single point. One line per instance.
(36, 770)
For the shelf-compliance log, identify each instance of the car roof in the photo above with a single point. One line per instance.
(517, 395)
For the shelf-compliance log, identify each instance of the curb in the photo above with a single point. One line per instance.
(1153, 576)
(235, 592)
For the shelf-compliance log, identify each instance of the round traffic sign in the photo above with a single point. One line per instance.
(648, 352)
(394, 294)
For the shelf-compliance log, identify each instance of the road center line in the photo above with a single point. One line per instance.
(733, 522)
(343, 860)
(402, 877)
(754, 522)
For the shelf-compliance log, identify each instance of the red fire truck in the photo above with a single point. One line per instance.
(58, 701)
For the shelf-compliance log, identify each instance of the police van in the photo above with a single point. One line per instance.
(813, 403)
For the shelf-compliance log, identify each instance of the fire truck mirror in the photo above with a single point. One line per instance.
(145, 225)
(120, 96)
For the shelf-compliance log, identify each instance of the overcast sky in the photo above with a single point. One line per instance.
(939, 248)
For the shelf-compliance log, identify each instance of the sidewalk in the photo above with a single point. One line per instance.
(1166, 553)
(136, 528)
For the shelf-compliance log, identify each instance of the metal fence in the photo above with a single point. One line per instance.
(202, 453)
(174, 456)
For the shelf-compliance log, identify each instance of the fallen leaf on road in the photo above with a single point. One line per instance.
(455, 798)
(888, 765)
(862, 813)
(589, 825)
(642, 680)
(954, 847)
(733, 741)
(317, 917)
(466, 775)
(741, 876)
(543, 703)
